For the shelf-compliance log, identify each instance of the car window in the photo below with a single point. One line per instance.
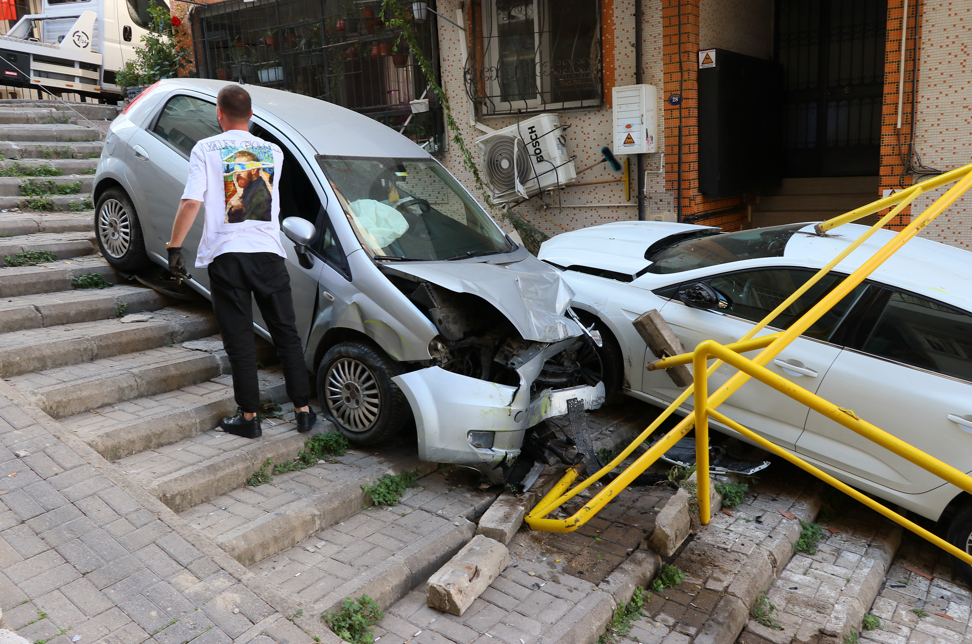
(138, 11)
(754, 294)
(924, 333)
(184, 121)
(712, 250)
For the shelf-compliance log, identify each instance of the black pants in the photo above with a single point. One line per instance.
(232, 278)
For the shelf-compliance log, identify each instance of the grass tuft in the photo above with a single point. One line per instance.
(29, 258)
(388, 489)
(624, 617)
(94, 280)
(810, 537)
(763, 610)
(356, 619)
(667, 577)
(732, 493)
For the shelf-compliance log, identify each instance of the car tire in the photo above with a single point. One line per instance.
(356, 392)
(612, 359)
(118, 231)
(960, 536)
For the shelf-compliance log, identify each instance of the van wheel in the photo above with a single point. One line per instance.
(118, 231)
(356, 392)
(960, 536)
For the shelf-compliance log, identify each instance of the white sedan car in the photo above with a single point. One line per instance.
(897, 350)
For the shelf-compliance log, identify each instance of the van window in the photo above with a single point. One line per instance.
(138, 11)
(184, 121)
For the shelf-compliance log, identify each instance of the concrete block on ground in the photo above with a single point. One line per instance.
(464, 578)
(504, 517)
(637, 570)
(672, 525)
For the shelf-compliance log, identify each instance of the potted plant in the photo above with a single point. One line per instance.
(270, 38)
(384, 49)
(400, 58)
(241, 66)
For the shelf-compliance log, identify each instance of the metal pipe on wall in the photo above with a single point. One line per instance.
(639, 78)
(901, 65)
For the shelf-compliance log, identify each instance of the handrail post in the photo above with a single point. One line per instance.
(702, 432)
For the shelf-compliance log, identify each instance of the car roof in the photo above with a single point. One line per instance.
(922, 266)
(329, 128)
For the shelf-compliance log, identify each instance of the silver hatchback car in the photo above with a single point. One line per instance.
(410, 300)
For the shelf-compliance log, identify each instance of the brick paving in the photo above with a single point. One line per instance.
(945, 600)
(83, 556)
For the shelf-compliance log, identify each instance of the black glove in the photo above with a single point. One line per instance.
(177, 263)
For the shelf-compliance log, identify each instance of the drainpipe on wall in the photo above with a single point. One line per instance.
(639, 78)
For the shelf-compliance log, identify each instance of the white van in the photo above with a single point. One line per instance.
(76, 46)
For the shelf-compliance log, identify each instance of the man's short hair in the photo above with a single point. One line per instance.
(234, 101)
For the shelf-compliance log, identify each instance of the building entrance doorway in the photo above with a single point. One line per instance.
(832, 52)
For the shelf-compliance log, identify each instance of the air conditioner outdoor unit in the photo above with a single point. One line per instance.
(521, 160)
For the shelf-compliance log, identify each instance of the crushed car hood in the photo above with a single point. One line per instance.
(531, 294)
(619, 247)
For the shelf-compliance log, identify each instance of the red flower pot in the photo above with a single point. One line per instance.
(401, 60)
(384, 49)
(340, 26)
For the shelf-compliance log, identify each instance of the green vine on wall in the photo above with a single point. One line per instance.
(399, 16)
(158, 56)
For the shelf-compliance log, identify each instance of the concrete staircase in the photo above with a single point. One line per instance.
(814, 199)
(50, 151)
(144, 381)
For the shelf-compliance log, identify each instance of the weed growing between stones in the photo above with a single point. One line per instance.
(262, 475)
(89, 171)
(679, 474)
(29, 258)
(354, 622)
(269, 410)
(18, 170)
(624, 617)
(871, 622)
(35, 188)
(78, 206)
(121, 310)
(762, 611)
(667, 577)
(732, 493)
(810, 536)
(388, 489)
(920, 612)
(852, 638)
(318, 448)
(94, 280)
(42, 202)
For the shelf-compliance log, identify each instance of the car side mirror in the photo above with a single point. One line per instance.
(301, 232)
(701, 296)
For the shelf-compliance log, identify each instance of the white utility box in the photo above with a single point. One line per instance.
(635, 119)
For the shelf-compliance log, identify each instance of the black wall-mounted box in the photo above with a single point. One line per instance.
(740, 125)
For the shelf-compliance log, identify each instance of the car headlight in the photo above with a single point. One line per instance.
(481, 440)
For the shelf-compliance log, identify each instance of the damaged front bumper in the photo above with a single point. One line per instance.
(474, 422)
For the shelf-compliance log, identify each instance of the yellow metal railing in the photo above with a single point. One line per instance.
(771, 346)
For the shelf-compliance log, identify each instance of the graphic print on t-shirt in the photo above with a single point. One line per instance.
(247, 183)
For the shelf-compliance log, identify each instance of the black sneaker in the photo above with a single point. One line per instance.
(306, 420)
(240, 426)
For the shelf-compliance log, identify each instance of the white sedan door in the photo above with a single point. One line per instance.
(911, 377)
(751, 294)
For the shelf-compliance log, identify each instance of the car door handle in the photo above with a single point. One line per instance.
(140, 153)
(795, 369)
(962, 422)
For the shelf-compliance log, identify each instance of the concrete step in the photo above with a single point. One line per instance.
(815, 202)
(763, 219)
(80, 202)
(830, 185)
(48, 150)
(10, 186)
(81, 305)
(382, 552)
(60, 132)
(45, 110)
(24, 223)
(52, 276)
(141, 424)
(67, 391)
(63, 245)
(257, 522)
(66, 166)
(71, 344)
(212, 463)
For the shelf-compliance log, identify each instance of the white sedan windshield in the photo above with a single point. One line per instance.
(411, 209)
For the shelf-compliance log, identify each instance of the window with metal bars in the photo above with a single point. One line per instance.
(534, 55)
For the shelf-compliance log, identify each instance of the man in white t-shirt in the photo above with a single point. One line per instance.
(236, 175)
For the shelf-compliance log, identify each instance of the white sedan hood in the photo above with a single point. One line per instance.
(619, 247)
(531, 294)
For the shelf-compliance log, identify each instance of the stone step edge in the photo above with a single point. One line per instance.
(204, 481)
(294, 522)
(50, 278)
(107, 341)
(100, 305)
(170, 427)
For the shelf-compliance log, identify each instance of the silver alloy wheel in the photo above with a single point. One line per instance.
(352, 395)
(115, 228)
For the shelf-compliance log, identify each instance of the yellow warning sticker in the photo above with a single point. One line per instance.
(628, 140)
(707, 58)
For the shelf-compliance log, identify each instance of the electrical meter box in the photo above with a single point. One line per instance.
(635, 119)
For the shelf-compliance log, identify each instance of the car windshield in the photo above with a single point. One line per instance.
(723, 249)
(411, 209)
